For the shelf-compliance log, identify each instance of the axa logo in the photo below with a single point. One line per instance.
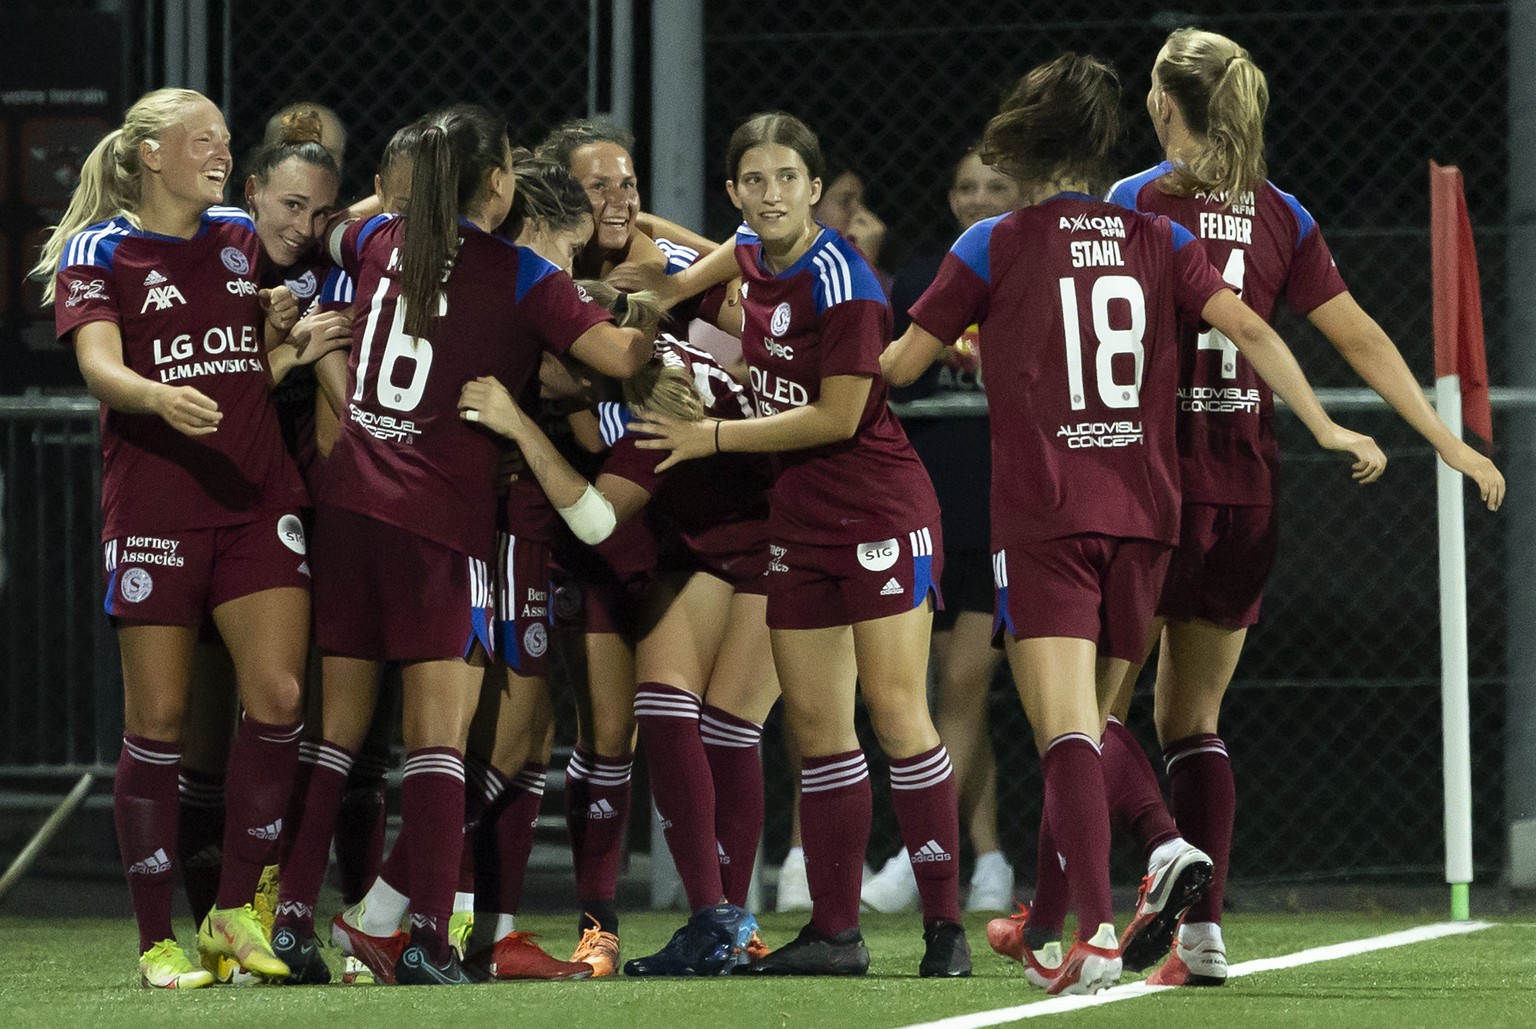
(1104, 225)
(162, 297)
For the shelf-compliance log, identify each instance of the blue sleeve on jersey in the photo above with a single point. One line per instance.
(842, 274)
(745, 236)
(1305, 223)
(678, 256)
(93, 246)
(369, 227)
(613, 421)
(1181, 236)
(338, 288)
(230, 214)
(974, 247)
(1127, 190)
(531, 270)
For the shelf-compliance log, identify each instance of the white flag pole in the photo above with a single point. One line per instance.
(1455, 706)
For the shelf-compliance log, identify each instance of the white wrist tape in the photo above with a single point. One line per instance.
(591, 518)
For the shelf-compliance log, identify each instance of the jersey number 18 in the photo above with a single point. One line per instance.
(1112, 341)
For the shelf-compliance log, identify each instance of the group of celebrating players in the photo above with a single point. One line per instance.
(405, 432)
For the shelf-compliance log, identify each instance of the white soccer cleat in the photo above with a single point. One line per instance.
(1089, 967)
(1199, 958)
(1168, 890)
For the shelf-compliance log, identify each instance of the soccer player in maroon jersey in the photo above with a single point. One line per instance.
(155, 289)
(1207, 101)
(855, 550)
(1080, 306)
(407, 513)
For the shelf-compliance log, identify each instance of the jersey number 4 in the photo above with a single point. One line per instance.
(1212, 339)
(400, 347)
(1112, 342)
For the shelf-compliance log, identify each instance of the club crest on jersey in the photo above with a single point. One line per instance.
(877, 557)
(304, 286)
(162, 297)
(80, 292)
(535, 640)
(235, 260)
(1111, 226)
(780, 323)
(291, 531)
(136, 585)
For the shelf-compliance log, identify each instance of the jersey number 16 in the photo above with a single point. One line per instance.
(399, 346)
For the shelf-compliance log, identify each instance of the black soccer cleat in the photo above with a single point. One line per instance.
(814, 953)
(712, 942)
(416, 968)
(946, 952)
(305, 965)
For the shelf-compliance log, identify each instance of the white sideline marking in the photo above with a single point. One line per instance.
(1313, 955)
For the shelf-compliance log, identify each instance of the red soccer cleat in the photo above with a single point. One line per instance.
(516, 956)
(1089, 967)
(379, 953)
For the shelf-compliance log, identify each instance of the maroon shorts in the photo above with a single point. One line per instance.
(383, 593)
(178, 578)
(599, 603)
(813, 587)
(1223, 559)
(745, 569)
(1099, 588)
(522, 604)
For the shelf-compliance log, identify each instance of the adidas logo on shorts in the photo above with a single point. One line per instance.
(931, 851)
(601, 809)
(269, 831)
(154, 278)
(152, 865)
(892, 588)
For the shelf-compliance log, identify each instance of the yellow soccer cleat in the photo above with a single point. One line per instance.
(165, 967)
(235, 933)
(460, 925)
(265, 901)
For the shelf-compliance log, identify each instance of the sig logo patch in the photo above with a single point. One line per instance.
(877, 557)
(535, 640)
(780, 323)
(235, 260)
(136, 585)
(291, 531)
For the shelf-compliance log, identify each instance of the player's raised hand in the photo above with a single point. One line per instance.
(687, 440)
(187, 410)
(486, 401)
(281, 306)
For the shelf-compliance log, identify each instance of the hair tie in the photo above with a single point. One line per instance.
(621, 306)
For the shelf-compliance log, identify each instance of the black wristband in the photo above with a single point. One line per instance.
(717, 434)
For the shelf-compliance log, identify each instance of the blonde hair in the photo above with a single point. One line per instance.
(1223, 97)
(658, 388)
(111, 177)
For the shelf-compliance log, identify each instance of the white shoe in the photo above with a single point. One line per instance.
(1170, 887)
(991, 884)
(794, 892)
(893, 888)
(1199, 958)
(1089, 967)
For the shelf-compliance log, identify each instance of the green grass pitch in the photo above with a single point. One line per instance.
(79, 974)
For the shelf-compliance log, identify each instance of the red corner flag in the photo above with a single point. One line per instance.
(1458, 298)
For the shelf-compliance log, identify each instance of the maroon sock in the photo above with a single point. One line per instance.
(304, 870)
(144, 807)
(200, 836)
(1205, 802)
(736, 766)
(1130, 785)
(432, 810)
(835, 813)
(483, 786)
(682, 786)
(505, 841)
(308, 750)
(1048, 909)
(1079, 814)
(598, 824)
(261, 765)
(396, 869)
(360, 828)
(928, 812)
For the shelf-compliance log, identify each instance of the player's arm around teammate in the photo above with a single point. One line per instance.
(200, 501)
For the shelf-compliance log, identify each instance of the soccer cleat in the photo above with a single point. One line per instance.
(893, 888)
(305, 965)
(265, 901)
(235, 933)
(946, 952)
(1167, 892)
(756, 948)
(991, 884)
(1006, 935)
(1041, 966)
(814, 953)
(460, 925)
(1089, 967)
(379, 953)
(712, 942)
(165, 967)
(1199, 958)
(600, 950)
(355, 973)
(415, 968)
(516, 956)
(794, 892)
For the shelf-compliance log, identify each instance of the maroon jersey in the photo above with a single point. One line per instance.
(404, 455)
(294, 397)
(189, 316)
(1078, 304)
(717, 505)
(827, 315)
(1265, 245)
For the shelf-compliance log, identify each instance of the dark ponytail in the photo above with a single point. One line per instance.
(457, 150)
(1062, 120)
